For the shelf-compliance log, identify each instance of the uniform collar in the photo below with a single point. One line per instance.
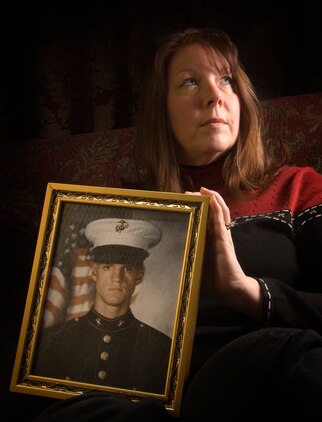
(106, 324)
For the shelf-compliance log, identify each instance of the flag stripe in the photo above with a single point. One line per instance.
(79, 286)
(56, 299)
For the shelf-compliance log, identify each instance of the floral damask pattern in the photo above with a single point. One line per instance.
(296, 121)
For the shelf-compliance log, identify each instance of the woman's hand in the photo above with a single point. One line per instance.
(232, 286)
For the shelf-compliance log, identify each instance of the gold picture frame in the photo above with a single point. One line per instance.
(168, 296)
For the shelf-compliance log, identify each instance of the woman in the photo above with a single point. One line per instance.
(260, 312)
(258, 346)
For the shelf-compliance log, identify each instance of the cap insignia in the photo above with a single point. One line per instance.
(121, 225)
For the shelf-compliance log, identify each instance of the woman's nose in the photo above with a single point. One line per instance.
(213, 96)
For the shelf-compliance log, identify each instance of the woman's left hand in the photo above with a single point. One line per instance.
(232, 286)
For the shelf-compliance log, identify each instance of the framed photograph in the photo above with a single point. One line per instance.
(113, 294)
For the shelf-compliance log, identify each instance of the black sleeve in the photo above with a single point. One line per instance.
(299, 306)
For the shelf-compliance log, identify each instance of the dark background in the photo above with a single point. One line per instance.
(73, 67)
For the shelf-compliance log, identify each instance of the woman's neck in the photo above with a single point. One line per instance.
(210, 176)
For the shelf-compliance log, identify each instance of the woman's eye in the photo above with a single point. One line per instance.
(107, 267)
(128, 269)
(190, 82)
(227, 80)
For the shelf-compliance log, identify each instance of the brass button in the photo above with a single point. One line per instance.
(104, 355)
(102, 375)
(107, 338)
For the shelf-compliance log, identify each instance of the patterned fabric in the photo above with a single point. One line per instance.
(98, 159)
(296, 121)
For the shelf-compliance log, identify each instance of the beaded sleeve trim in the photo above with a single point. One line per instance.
(285, 216)
(267, 300)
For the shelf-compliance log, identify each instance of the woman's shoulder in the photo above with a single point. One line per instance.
(293, 188)
(299, 172)
(303, 186)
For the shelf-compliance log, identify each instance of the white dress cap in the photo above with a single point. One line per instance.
(116, 231)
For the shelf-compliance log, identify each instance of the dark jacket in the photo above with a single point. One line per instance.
(123, 353)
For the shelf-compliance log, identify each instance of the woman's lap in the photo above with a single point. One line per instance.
(263, 374)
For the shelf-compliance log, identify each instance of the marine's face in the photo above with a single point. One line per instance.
(115, 283)
(203, 107)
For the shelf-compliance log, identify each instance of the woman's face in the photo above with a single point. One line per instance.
(203, 108)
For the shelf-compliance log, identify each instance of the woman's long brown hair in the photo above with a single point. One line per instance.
(248, 165)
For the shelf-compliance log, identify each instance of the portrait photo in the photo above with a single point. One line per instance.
(117, 279)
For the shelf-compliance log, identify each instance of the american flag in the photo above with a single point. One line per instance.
(71, 290)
